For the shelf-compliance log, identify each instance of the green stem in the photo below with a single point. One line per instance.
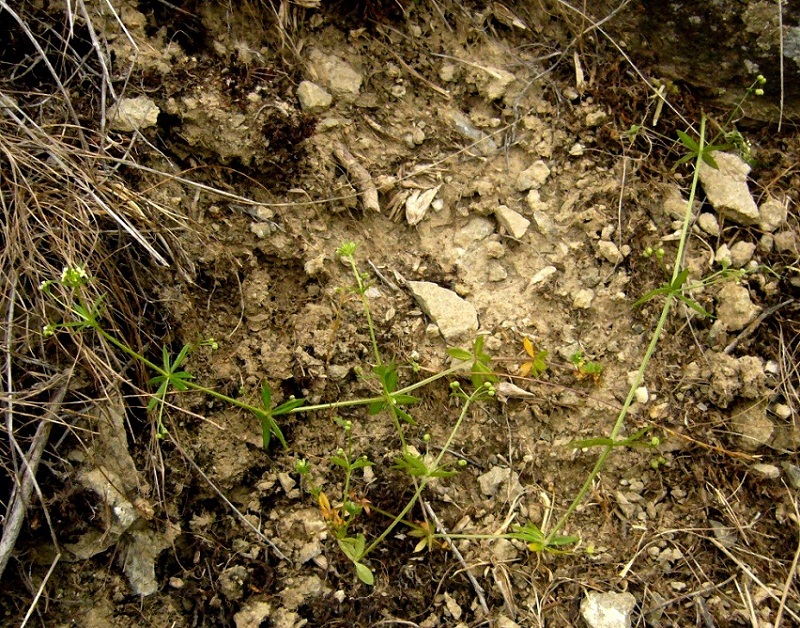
(670, 297)
(424, 481)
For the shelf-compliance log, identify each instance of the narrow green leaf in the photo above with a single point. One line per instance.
(405, 399)
(266, 395)
(375, 407)
(459, 354)
(695, 306)
(688, 142)
(287, 406)
(710, 160)
(405, 416)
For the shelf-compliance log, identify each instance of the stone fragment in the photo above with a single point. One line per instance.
(515, 224)
(532, 177)
(607, 610)
(313, 99)
(708, 223)
(231, 582)
(772, 214)
(741, 253)
(335, 74)
(133, 114)
(456, 318)
(609, 251)
(502, 481)
(726, 188)
(735, 310)
(674, 204)
(749, 421)
(252, 613)
(596, 118)
(723, 256)
(792, 474)
(542, 275)
(495, 271)
(786, 242)
(583, 299)
(768, 471)
(494, 83)
(475, 230)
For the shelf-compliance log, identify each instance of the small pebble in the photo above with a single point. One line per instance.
(769, 471)
(641, 394)
(708, 223)
(782, 411)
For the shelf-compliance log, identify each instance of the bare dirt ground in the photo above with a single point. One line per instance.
(489, 153)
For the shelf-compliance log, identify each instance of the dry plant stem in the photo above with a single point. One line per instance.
(214, 488)
(40, 590)
(20, 499)
(475, 585)
(788, 584)
(662, 319)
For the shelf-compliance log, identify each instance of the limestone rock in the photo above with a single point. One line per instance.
(772, 215)
(515, 224)
(726, 188)
(708, 222)
(335, 74)
(313, 98)
(532, 177)
(749, 421)
(735, 310)
(741, 253)
(607, 610)
(133, 114)
(609, 251)
(456, 318)
(500, 480)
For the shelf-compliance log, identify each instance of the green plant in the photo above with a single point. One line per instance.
(82, 314)
(586, 368)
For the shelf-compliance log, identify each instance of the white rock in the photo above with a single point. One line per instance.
(499, 479)
(609, 251)
(769, 471)
(515, 224)
(583, 299)
(741, 253)
(782, 411)
(596, 118)
(335, 74)
(495, 83)
(313, 98)
(133, 114)
(726, 188)
(607, 610)
(750, 422)
(708, 222)
(674, 203)
(576, 150)
(642, 395)
(532, 177)
(456, 318)
(542, 275)
(734, 308)
(772, 214)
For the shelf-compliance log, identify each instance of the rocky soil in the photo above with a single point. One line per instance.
(485, 164)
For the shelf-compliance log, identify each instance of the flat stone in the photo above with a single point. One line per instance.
(499, 479)
(749, 421)
(456, 318)
(133, 114)
(542, 275)
(772, 214)
(607, 610)
(475, 230)
(768, 471)
(786, 242)
(583, 299)
(313, 98)
(335, 74)
(741, 253)
(674, 203)
(726, 188)
(734, 308)
(708, 223)
(515, 224)
(596, 118)
(533, 177)
(609, 251)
